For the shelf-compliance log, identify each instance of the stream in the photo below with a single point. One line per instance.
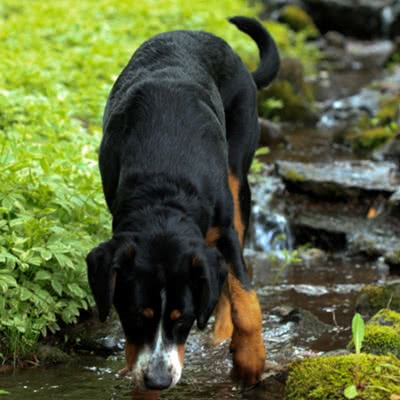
(307, 306)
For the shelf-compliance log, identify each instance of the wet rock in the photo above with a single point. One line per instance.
(272, 382)
(343, 205)
(382, 334)
(370, 55)
(307, 324)
(308, 378)
(363, 18)
(335, 39)
(340, 178)
(313, 256)
(91, 335)
(50, 355)
(394, 199)
(270, 133)
(372, 298)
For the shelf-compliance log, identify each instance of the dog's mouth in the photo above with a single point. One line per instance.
(154, 369)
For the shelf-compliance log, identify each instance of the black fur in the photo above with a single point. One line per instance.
(179, 117)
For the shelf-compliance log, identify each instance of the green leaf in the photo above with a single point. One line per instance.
(358, 330)
(350, 392)
(43, 276)
(4, 391)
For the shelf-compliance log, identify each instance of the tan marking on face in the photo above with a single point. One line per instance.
(234, 186)
(148, 312)
(181, 353)
(131, 354)
(175, 314)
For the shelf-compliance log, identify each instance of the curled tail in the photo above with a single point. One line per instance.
(269, 56)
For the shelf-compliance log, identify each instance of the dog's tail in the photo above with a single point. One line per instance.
(269, 56)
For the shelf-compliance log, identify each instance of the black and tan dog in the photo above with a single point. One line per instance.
(180, 132)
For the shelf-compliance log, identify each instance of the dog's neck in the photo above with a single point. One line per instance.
(158, 202)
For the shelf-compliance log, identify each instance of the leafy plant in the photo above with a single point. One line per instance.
(358, 331)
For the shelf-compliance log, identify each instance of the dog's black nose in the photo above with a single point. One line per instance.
(157, 381)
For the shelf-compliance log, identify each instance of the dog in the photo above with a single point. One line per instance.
(180, 131)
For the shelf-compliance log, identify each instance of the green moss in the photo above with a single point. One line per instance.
(372, 298)
(295, 106)
(370, 139)
(293, 176)
(299, 20)
(325, 378)
(382, 334)
(381, 340)
(389, 109)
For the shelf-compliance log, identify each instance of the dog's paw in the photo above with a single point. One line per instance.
(248, 354)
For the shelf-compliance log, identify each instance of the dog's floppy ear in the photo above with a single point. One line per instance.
(102, 274)
(208, 274)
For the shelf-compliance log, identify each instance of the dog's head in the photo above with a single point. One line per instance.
(159, 287)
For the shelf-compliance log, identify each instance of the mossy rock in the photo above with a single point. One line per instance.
(295, 107)
(389, 109)
(382, 334)
(299, 20)
(291, 92)
(325, 378)
(371, 139)
(372, 298)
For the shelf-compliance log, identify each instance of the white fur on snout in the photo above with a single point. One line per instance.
(150, 356)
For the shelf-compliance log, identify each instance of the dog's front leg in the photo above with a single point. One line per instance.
(247, 344)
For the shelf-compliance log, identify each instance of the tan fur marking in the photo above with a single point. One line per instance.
(148, 312)
(131, 353)
(212, 236)
(175, 314)
(248, 350)
(234, 186)
(223, 326)
(181, 353)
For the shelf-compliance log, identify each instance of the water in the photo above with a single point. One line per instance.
(326, 287)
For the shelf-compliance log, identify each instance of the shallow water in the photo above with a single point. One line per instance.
(327, 288)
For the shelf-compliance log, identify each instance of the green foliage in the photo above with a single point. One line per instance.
(4, 392)
(59, 60)
(257, 164)
(299, 20)
(358, 330)
(372, 133)
(326, 378)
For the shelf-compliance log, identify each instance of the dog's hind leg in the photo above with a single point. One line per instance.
(247, 344)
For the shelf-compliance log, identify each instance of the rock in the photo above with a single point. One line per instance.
(382, 334)
(321, 378)
(343, 205)
(365, 19)
(372, 298)
(394, 199)
(340, 178)
(313, 256)
(91, 335)
(307, 324)
(335, 39)
(49, 355)
(370, 55)
(271, 134)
